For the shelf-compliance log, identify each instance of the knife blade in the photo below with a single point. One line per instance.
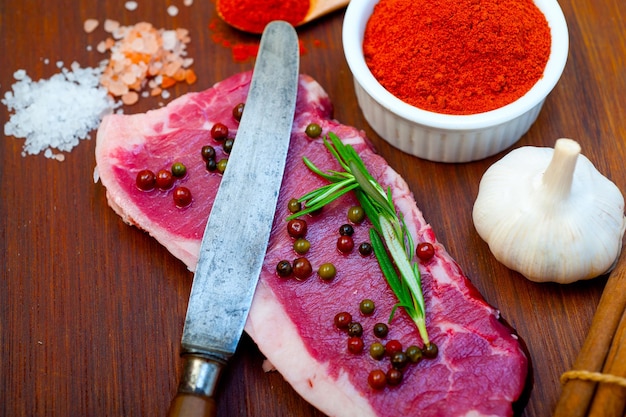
(237, 232)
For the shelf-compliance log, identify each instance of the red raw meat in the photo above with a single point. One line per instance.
(481, 368)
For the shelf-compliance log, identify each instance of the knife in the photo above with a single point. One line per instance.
(237, 232)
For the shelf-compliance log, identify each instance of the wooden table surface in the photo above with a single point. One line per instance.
(91, 310)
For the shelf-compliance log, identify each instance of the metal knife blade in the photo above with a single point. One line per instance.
(237, 232)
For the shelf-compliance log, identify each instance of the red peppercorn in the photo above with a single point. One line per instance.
(164, 179)
(377, 379)
(425, 251)
(392, 347)
(296, 228)
(219, 131)
(145, 180)
(302, 268)
(238, 111)
(342, 320)
(345, 244)
(355, 344)
(394, 376)
(182, 196)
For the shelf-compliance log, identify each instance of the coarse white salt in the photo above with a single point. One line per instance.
(172, 10)
(131, 5)
(56, 113)
(90, 25)
(187, 2)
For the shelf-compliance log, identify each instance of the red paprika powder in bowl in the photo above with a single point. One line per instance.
(454, 80)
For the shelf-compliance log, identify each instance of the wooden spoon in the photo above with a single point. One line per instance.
(254, 21)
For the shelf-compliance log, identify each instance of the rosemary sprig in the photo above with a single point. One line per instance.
(390, 238)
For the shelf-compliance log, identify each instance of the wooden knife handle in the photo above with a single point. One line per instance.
(195, 396)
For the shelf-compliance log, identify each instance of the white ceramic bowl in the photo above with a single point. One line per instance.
(442, 137)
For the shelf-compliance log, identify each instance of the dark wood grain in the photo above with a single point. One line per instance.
(91, 310)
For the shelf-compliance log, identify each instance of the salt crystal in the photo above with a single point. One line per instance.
(131, 5)
(90, 25)
(172, 10)
(56, 113)
(187, 2)
(165, 94)
(59, 64)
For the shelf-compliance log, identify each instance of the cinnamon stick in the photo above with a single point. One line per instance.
(610, 399)
(576, 395)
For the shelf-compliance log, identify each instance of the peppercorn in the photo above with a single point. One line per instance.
(219, 131)
(301, 246)
(346, 230)
(377, 351)
(294, 205)
(355, 344)
(211, 165)
(302, 268)
(284, 269)
(164, 179)
(425, 251)
(327, 271)
(367, 306)
(356, 214)
(313, 130)
(227, 146)
(399, 360)
(145, 180)
(414, 353)
(297, 228)
(238, 111)
(343, 320)
(430, 350)
(208, 152)
(394, 376)
(355, 329)
(182, 196)
(392, 347)
(221, 165)
(380, 330)
(365, 249)
(179, 169)
(377, 379)
(345, 244)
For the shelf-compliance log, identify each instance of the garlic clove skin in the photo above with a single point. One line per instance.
(550, 215)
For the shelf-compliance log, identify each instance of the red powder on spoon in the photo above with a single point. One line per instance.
(253, 15)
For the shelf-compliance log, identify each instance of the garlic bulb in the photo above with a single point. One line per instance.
(550, 215)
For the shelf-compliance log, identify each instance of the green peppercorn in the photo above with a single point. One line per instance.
(414, 353)
(301, 246)
(380, 330)
(179, 169)
(294, 205)
(377, 351)
(313, 130)
(327, 271)
(367, 306)
(227, 146)
(356, 214)
(221, 165)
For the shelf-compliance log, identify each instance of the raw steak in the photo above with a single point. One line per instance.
(480, 370)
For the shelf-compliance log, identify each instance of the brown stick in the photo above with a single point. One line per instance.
(577, 394)
(610, 399)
